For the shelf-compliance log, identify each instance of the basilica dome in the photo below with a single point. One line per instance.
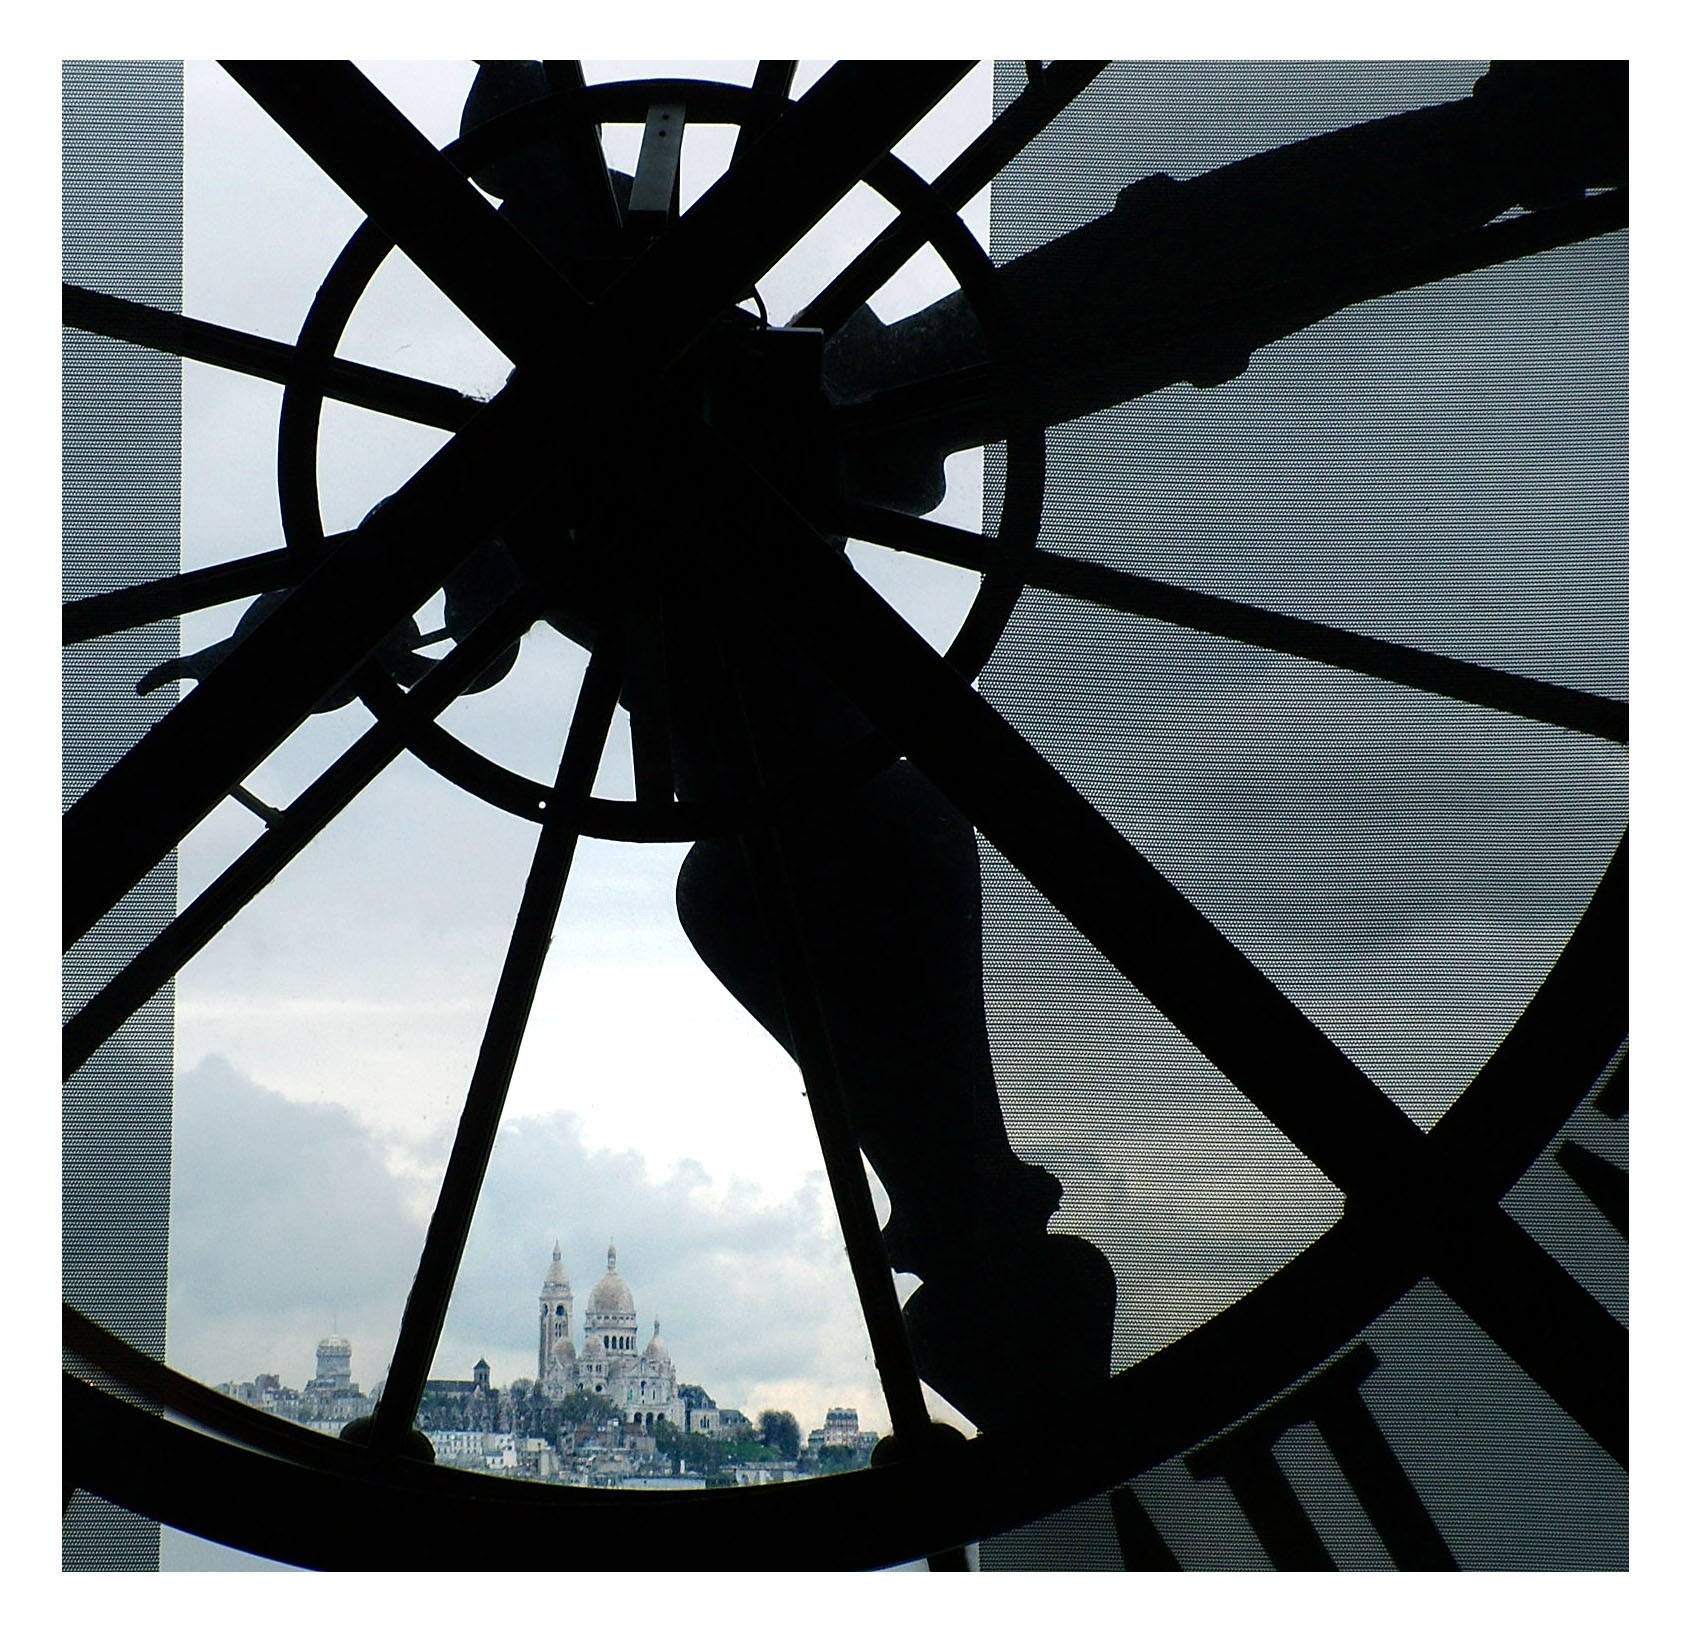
(611, 1296)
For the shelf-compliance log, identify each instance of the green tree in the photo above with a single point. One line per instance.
(780, 1431)
(840, 1459)
(582, 1406)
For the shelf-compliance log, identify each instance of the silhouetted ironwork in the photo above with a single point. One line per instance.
(839, 894)
(421, 401)
(306, 817)
(1245, 1459)
(508, 1019)
(1257, 626)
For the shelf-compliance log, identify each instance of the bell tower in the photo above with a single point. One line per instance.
(556, 1305)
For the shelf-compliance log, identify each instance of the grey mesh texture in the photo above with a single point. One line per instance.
(122, 217)
(1447, 468)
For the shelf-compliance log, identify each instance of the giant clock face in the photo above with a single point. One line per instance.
(1294, 755)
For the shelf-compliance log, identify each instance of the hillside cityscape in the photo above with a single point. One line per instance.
(611, 1414)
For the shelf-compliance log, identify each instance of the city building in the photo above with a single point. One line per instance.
(641, 1383)
(698, 1413)
(329, 1399)
(331, 1396)
(840, 1427)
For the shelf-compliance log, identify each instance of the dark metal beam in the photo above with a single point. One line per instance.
(583, 177)
(508, 1018)
(97, 615)
(308, 814)
(767, 202)
(459, 241)
(121, 828)
(1198, 331)
(773, 79)
(421, 401)
(1547, 1063)
(807, 1030)
(1236, 1016)
(1239, 621)
(1045, 98)
(1542, 1318)
(1604, 1184)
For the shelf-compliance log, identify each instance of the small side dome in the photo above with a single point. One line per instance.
(656, 1349)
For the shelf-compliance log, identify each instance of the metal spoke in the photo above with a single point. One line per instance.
(773, 79)
(459, 241)
(583, 177)
(1604, 1184)
(1045, 98)
(426, 1307)
(306, 817)
(420, 401)
(807, 1029)
(807, 1032)
(261, 691)
(1104, 586)
(1546, 1064)
(762, 207)
(1542, 1318)
(97, 615)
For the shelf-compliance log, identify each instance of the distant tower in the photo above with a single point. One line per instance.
(334, 1365)
(556, 1304)
(332, 1396)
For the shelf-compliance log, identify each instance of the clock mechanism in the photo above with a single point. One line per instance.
(1216, 945)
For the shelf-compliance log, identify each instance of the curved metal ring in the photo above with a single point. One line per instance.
(350, 275)
(367, 1513)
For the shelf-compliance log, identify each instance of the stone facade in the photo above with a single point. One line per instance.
(641, 1383)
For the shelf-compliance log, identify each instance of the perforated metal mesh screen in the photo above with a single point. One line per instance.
(1444, 467)
(122, 206)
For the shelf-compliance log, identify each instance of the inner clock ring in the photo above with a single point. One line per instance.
(706, 102)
